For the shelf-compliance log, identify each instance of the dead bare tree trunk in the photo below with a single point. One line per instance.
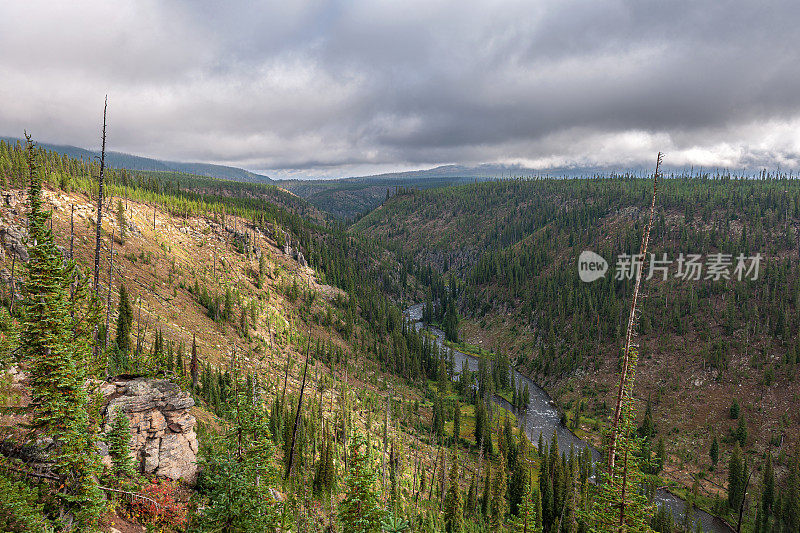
(741, 506)
(13, 289)
(624, 378)
(110, 278)
(386, 438)
(72, 232)
(442, 477)
(433, 474)
(299, 408)
(139, 326)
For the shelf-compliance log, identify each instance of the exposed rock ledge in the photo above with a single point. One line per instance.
(163, 441)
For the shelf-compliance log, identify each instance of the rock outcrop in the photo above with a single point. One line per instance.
(13, 239)
(163, 440)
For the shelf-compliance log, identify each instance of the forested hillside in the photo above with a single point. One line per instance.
(318, 406)
(512, 247)
(350, 198)
(281, 329)
(132, 162)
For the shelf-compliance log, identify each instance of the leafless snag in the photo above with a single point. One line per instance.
(625, 377)
(299, 407)
(13, 289)
(108, 302)
(72, 232)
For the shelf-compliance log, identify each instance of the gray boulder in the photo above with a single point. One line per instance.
(13, 240)
(163, 440)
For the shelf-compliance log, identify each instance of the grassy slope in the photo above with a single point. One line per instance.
(158, 266)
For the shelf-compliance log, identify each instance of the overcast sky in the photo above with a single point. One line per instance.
(346, 88)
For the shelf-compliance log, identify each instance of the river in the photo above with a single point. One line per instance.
(541, 416)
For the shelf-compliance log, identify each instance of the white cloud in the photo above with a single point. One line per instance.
(329, 88)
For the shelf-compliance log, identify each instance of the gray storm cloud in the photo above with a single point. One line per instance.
(339, 88)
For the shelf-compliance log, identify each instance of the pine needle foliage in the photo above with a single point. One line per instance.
(122, 347)
(325, 475)
(19, 510)
(56, 344)
(621, 503)
(529, 519)
(360, 512)
(119, 439)
(239, 473)
(453, 503)
(498, 504)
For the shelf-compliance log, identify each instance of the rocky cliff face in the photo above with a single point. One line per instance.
(162, 429)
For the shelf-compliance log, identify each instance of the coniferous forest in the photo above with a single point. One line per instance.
(399, 267)
(325, 409)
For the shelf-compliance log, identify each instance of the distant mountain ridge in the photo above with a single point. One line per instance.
(351, 197)
(491, 171)
(135, 162)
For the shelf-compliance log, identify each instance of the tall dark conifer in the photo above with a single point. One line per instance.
(56, 346)
(193, 366)
(453, 503)
(124, 321)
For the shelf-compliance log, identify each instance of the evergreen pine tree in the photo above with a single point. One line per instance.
(124, 321)
(118, 439)
(734, 410)
(238, 472)
(497, 508)
(457, 422)
(741, 432)
(791, 498)
(193, 366)
(487, 489)
(529, 519)
(714, 452)
(518, 487)
(19, 509)
(453, 512)
(57, 346)
(438, 418)
(736, 474)
(472, 499)
(325, 474)
(648, 429)
(767, 495)
(122, 222)
(661, 456)
(359, 512)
